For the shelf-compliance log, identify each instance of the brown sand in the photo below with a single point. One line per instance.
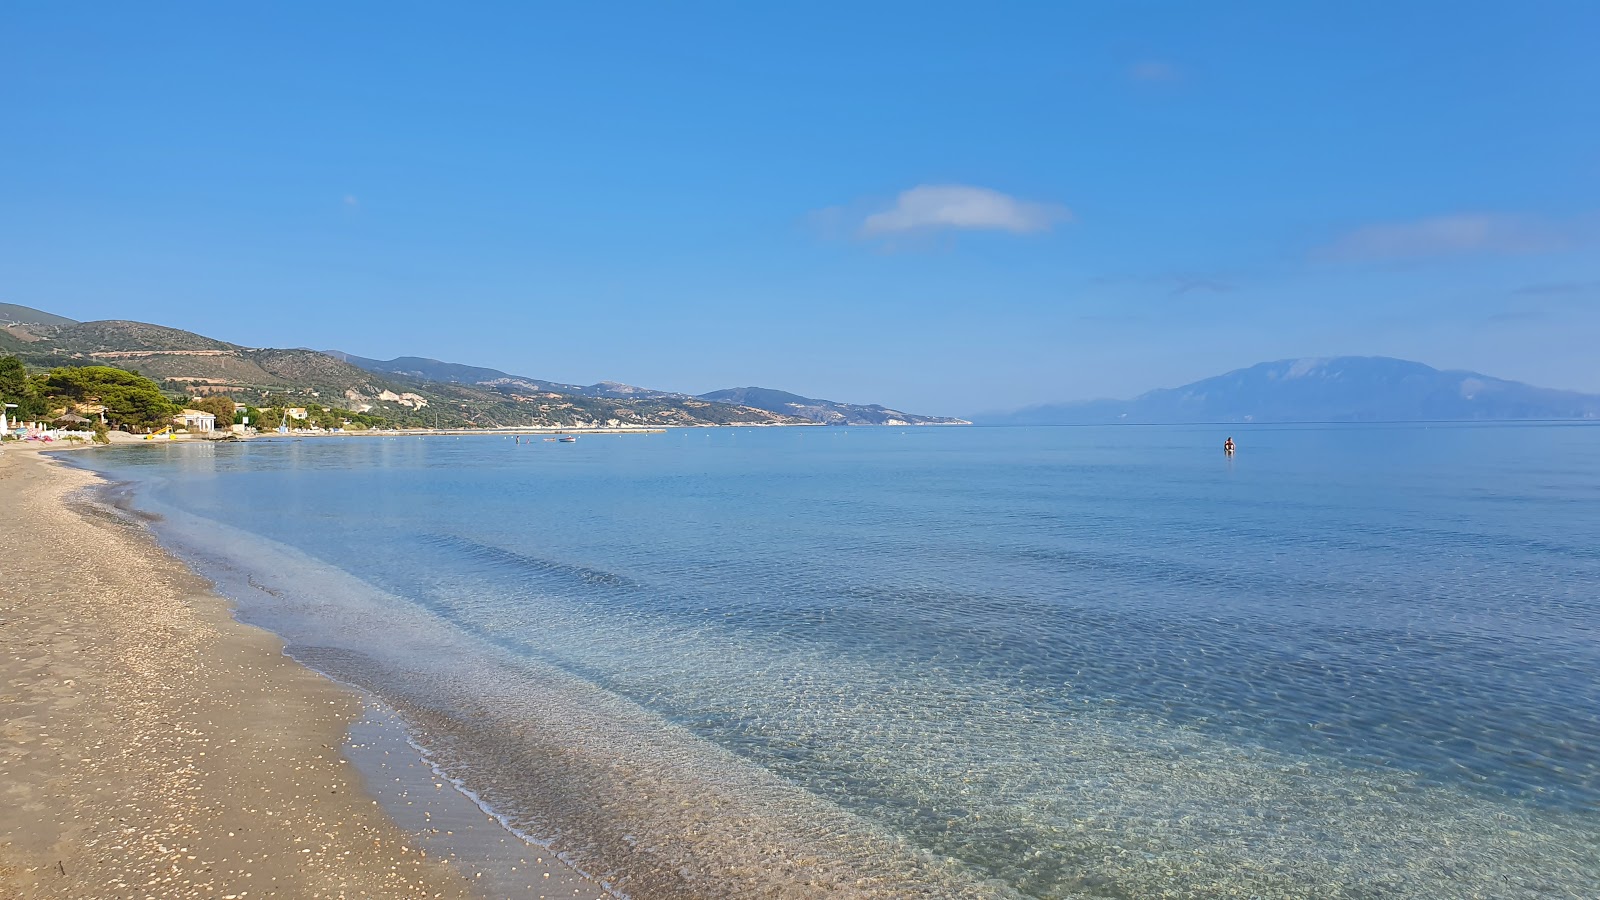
(153, 747)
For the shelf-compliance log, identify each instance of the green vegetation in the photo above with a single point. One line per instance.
(219, 406)
(16, 387)
(318, 416)
(184, 364)
(131, 401)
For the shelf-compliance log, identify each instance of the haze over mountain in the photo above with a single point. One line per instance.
(1340, 389)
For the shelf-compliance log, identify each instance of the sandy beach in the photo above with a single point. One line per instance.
(154, 747)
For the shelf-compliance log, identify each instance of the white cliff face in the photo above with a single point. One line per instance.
(413, 401)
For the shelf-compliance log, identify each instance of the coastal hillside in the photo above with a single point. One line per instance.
(13, 314)
(423, 369)
(826, 412)
(1340, 389)
(189, 364)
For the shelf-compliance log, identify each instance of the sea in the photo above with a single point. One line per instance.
(1354, 661)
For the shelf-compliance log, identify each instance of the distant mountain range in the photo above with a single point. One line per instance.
(192, 364)
(424, 369)
(1339, 389)
(828, 412)
(422, 391)
(825, 412)
(408, 390)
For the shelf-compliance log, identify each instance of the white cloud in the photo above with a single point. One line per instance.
(1447, 236)
(930, 207)
(350, 200)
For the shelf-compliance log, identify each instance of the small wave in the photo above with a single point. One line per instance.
(526, 564)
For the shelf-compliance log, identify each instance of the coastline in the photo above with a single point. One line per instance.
(513, 637)
(122, 437)
(602, 784)
(154, 746)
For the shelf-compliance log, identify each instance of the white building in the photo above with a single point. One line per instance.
(197, 421)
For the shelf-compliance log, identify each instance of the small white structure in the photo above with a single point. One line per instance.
(197, 421)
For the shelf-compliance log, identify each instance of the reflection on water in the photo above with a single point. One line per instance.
(985, 662)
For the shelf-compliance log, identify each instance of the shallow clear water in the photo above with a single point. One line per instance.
(1109, 662)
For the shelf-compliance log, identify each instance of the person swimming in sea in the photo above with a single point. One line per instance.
(1227, 446)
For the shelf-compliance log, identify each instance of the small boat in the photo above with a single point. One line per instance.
(568, 440)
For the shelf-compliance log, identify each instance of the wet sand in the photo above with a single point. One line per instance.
(151, 746)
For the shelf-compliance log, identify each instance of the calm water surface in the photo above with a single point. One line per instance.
(1051, 662)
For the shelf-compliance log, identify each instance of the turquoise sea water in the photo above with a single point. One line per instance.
(1037, 662)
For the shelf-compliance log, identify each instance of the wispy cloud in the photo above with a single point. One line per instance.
(1545, 301)
(1464, 233)
(1176, 284)
(1556, 288)
(1154, 71)
(959, 207)
(1110, 319)
(1518, 315)
(1188, 285)
(351, 201)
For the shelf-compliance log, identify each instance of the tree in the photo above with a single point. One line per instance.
(13, 378)
(16, 387)
(131, 400)
(219, 406)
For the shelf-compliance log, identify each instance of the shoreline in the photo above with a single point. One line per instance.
(152, 745)
(447, 820)
(125, 439)
(611, 788)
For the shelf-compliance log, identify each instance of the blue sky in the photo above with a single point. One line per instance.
(944, 207)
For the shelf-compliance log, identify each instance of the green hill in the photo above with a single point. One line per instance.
(114, 336)
(189, 364)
